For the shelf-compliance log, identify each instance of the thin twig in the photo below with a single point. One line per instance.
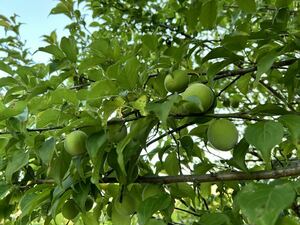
(227, 86)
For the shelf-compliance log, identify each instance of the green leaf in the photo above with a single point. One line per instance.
(283, 3)
(171, 164)
(162, 110)
(264, 136)
(6, 68)
(139, 131)
(264, 64)
(235, 41)
(208, 14)
(130, 74)
(63, 8)
(110, 106)
(290, 79)
(182, 190)
(217, 67)
(239, 153)
(53, 50)
(141, 104)
(214, 219)
(103, 88)
(17, 161)
(152, 205)
(192, 15)
(292, 122)
(46, 151)
(262, 203)
(14, 109)
(34, 198)
(150, 41)
(59, 166)
(5, 189)
(8, 81)
(155, 222)
(68, 45)
(95, 148)
(249, 6)
(221, 52)
(175, 52)
(269, 109)
(90, 218)
(48, 117)
(101, 47)
(243, 83)
(61, 95)
(118, 219)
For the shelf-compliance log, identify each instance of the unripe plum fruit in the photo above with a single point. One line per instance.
(70, 210)
(177, 81)
(222, 134)
(75, 143)
(200, 98)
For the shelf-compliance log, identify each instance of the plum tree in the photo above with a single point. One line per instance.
(75, 143)
(168, 71)
(70, 209)
(177, 81)
(199, 96)
(222, 134)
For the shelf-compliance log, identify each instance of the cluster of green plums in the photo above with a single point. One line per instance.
(199, 98)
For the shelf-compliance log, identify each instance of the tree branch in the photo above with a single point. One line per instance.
(230, 73)
(215, 177)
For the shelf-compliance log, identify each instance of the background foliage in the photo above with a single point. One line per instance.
(113, 65)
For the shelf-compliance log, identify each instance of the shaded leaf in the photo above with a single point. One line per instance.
(262, 203)
(208, 14)
(292, 122)
(162, 110)
(46, 151)
(239, 153)
(17, 161)
(214, 219)
(152, 205)
(34, 198)
(248, 6)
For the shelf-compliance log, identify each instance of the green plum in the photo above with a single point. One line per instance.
(75, 143)
(199, 98)
(222, 134)
(177, 81)
(70, 209)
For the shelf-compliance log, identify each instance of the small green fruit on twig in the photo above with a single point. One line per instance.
(222, 134)
(199, 96)
(70, 210)
(177, 81)
(75, 143)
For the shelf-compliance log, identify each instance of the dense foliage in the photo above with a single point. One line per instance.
(143, 155)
